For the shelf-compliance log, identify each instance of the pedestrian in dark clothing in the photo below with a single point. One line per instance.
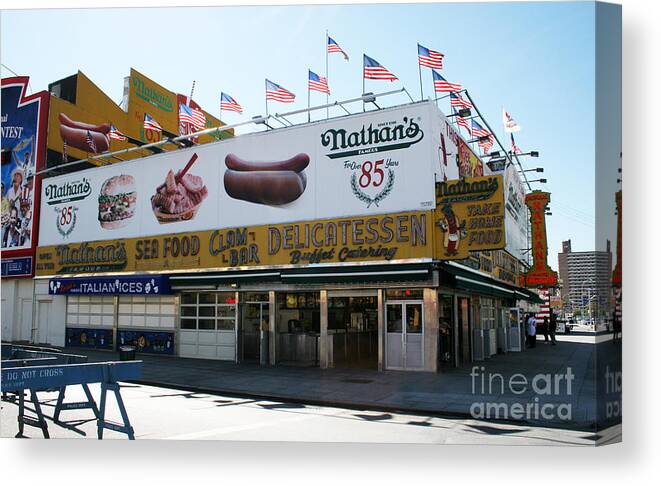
(553, 325)
(545, 329)
(617, 327)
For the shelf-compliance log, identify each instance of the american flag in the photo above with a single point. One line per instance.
(456, 100)
(486, 145)
(228, 103)
(115, 134)
(151, 124)
(199, 118)
(317, 83)
(276, 92)
(461, 121)
(186, 114)
(515, 147)
(90, 141)
(333, 46)
(429, 58)
(441, 85)
(373, 70)
(478, 130)
(545, 308)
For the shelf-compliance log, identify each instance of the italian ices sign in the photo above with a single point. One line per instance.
(372, 163)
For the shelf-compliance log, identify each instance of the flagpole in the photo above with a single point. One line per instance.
(309, 95)
(266, 102)
(422, 96)
(327, 82)
(363, 92)
(191, 94)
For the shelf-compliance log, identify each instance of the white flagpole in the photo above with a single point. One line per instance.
(266, 101)
(327, 81)
(309, 95)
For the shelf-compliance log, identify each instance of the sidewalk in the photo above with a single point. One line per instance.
(448, 393)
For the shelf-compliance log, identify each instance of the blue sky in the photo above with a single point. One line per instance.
(536, 59)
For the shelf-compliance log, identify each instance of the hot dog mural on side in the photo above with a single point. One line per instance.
(84, 136)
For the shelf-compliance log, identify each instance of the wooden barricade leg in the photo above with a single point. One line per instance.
(41, 421)
(60, 406)
(102, 423)
(21, 412)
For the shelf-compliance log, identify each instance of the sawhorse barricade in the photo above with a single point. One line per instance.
(53, 376)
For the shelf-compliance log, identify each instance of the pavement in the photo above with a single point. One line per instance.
(175, 414)
(482, 390)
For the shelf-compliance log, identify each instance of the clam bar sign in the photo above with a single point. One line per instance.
(384, 238)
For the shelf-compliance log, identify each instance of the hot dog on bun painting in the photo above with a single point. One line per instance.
(271, 183)
(117, 201)
(84, 136)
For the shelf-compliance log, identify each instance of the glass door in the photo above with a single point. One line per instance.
(404, 335)
(253, 330)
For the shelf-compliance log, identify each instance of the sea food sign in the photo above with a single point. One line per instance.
(383, 238)
(540, 274)
(469, 216)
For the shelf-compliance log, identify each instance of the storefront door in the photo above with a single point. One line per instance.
(254, 320)
(404, 335)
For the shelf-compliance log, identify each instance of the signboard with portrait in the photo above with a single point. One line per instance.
(367, 164)
(23, 151)
(471, 216)
(384, 238)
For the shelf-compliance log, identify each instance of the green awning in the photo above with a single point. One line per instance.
(465, 278)
(357, 274)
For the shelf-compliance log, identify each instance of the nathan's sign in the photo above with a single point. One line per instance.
(469, 216)
(398, 236)
(540, 274)
(387, 135)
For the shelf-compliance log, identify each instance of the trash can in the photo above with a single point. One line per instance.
(126, 353)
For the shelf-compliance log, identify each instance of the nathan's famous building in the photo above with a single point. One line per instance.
(376, 240)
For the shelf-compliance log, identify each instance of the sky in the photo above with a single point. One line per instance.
(535, 59)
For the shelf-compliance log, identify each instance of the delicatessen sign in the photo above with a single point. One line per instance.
(398, 236)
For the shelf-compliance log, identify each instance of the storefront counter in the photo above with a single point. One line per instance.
(299, 347)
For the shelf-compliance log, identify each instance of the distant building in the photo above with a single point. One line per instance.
(585, 277)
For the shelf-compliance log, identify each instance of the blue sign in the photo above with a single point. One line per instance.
(147, 341)
(89, 338)
(134, 285)
(16, 267)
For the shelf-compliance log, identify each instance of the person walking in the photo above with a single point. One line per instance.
(553, 325)
(545, 329)
(532, 331)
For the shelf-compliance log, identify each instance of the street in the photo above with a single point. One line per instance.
(163, 413)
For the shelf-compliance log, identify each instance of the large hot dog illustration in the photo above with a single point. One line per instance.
(84, 136)
(273, 183)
